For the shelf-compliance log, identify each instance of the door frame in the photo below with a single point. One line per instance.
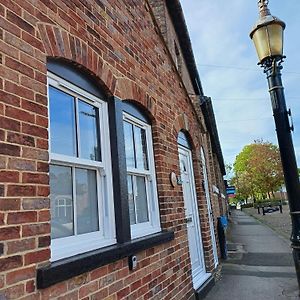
(209, 207)
(200, 278)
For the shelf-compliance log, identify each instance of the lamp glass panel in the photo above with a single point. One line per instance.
(275, 32)
(260, 39)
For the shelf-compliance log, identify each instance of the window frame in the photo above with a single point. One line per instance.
(64, 269)
(106, 235)
(153, 225)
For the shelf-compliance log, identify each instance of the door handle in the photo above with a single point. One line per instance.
(189, 220)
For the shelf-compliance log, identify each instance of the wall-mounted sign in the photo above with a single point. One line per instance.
(230, 190)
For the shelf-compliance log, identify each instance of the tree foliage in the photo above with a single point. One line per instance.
(258, 170)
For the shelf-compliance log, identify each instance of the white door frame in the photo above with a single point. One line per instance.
(196, 251)
(209, 208)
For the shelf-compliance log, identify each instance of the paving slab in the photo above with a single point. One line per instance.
(237, 287)
(259, 265)
(280, 222)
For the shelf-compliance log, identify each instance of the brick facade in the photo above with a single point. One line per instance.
(118, 44)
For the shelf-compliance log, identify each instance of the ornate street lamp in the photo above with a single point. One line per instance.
(267, 36)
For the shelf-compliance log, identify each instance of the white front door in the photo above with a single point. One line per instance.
(209, 208)
(199, 274)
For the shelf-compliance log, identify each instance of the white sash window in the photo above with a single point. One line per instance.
(81, 193)
(141, 181)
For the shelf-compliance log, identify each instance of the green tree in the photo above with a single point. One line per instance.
(244, 189)
(258, 170)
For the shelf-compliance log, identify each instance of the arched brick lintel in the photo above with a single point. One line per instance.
(147, 104)
(59, 43)
(181, 123)
(130, 90)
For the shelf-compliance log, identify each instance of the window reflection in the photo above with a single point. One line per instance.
(61, 201)
(131, 200)
(86, 200)
(141, 200)
(62, 120)
(89, 131)
(135, 146)
(129, 145)
(137, 199)
(141, 148)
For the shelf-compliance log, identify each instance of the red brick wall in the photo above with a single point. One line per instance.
(118, 44)
(214, 173)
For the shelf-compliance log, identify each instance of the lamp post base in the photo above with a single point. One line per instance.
(296, 256)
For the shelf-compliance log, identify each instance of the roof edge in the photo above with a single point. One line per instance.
(175, 10)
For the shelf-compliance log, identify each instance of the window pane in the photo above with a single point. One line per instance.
(61, 202)
(62, 123)
(129, 148)
(86, 201)
(141, 200)
(89, 131)
(131, 200)
(141, 148)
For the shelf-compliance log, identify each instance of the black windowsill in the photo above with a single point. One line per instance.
(67, 268)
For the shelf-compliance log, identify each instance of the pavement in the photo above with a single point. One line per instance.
(259, 265)
(281, 223)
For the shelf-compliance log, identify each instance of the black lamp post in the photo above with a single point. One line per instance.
(267, 36)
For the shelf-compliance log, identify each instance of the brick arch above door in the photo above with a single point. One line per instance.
(181, 123)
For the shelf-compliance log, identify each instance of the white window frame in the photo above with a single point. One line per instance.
(76, 244)
(153, 225)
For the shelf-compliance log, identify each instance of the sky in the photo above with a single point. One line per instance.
(227, 64)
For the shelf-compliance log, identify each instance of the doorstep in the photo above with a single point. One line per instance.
(203, 290)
